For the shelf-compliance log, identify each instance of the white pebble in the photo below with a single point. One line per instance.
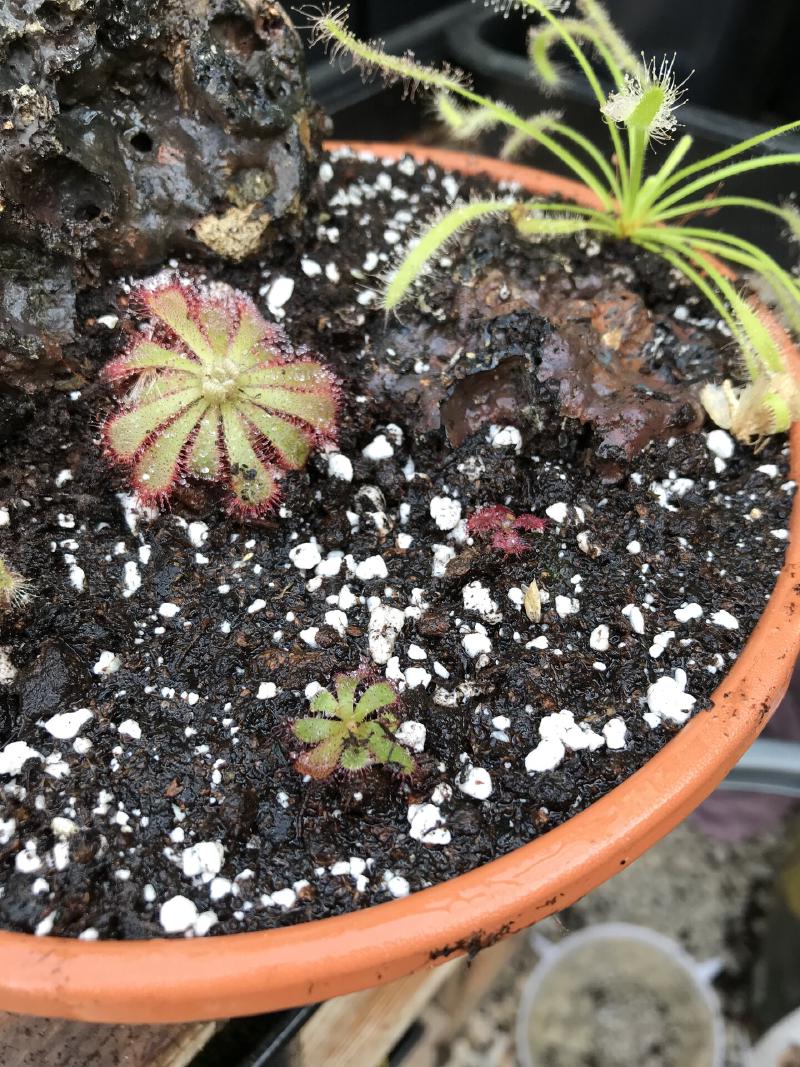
(633, 614)
(67, 724)
(689, 611)
(177, 915)
(720, 443)
(14, 756)
(339, 466)
(445, 512)
(378, 449)
(615, 731)
(305, 556)
(477, 783)
(412, 734)
(108, 663)
(599, 638)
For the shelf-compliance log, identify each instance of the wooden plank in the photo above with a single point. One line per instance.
(29, 1042)
(457, 1000)
(359, 1030)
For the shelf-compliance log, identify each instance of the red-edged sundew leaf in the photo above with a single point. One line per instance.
(147, 355)
(317, 409)
(290, 443)
(170, 304)
(157, 467)
(251, 479)
(380, 695)
(355, 756)
(313, 730)
(215, 323)
(346, 685)
(321, 761)
(126, 433)
(324, 701)
(250, 329)
(205, 457)
(386, 750)
(305, 375)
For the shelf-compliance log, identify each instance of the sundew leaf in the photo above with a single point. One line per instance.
(157, 467)
(252, 481)
(312, 730)
(250, 329)
(325, 702)
(317, 408)
(290, 442)
(380, 695)
(215, 322)
(386, 750)
(205, 459)
(304, 374)
(321, 761)
(346, 685)
(355, 757)
(126, 433)
(171, 306)
(147, 355)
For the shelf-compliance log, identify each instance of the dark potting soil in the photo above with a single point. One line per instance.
(556, 380)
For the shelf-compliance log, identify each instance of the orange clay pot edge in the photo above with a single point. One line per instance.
(167, 980)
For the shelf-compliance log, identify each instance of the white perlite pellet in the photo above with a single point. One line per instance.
(412, 734)
(107, 663)
(476, 783)
(599, 638)
(339, 466)
(177, 915)
(687, 612)
(668, 700)
(505, 437)
(378, 449)
(559, 732)
(15, 755)
(720, 444)
(615, 732)
(67, 724)
(266, 691)
(130, 728)
(203, 860)
(445, 512)
(725, 620)
(385, 623)
(305, 556)
(633, 613)
(427, 824)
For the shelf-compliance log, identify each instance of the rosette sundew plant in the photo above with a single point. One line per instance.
(504, 530)
(348, 733)
(219, 394)
(655, 207)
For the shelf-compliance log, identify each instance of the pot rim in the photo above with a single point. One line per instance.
(166, 980)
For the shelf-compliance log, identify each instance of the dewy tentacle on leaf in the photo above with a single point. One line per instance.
(218, 394)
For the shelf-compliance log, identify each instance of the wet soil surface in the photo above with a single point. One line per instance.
(189, 640)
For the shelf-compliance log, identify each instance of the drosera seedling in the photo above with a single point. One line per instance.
(351, 734)
(503, 529)
(14, 588)
(661, 211)
(219, 394)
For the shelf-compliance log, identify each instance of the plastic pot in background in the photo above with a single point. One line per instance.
(618, 993)
(493, 49)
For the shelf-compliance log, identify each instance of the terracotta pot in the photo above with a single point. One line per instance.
(164, 980)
